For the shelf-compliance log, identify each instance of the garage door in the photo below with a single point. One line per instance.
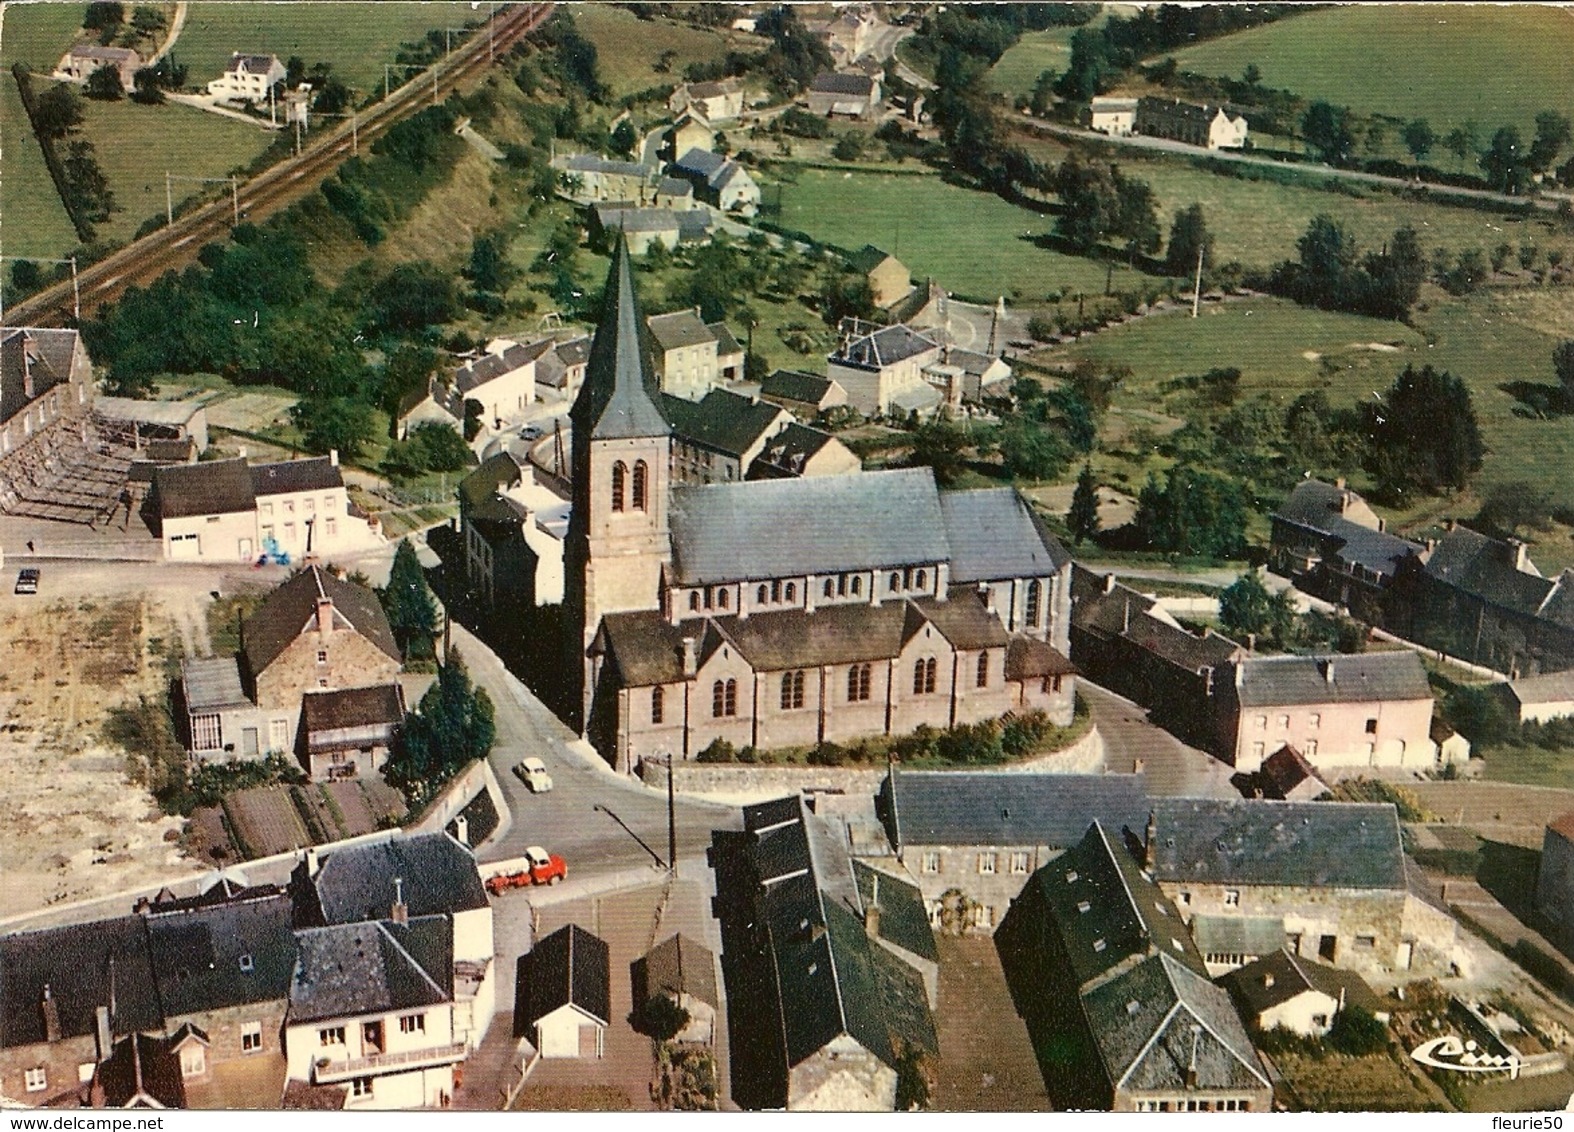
(185, 546)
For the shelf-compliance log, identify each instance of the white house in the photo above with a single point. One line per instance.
(882, 367)
(1114, 116)
(247, 78)
(719, 180)
(1297, 994)
(565, 994)
(1536, 699)
(502, 379)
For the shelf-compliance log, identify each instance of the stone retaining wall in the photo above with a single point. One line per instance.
(737, 780)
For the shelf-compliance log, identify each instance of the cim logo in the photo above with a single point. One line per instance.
(1462, 1057)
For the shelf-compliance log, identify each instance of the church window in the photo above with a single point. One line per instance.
(830, 588)
(760, 595)
(924, 675)
(858, 586)
(776, 591)
(841, 586)
(792, 592)
(1031, 613)
(710, 595)
(858, 683)
(896, 582)
(732, 697)
(921, 579)
(792, 690)
(640, 475)
(724, 698)
(656, 705)
(983, 670)
(694, 601)
(721, 599)
(620, 474)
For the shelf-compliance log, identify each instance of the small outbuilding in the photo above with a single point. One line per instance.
(563, 1001)
(684, 972)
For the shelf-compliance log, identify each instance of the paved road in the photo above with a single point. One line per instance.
(1173, 769)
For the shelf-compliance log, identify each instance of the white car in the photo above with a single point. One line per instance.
(533, 773)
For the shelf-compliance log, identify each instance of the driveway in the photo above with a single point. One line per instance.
(1173, 769)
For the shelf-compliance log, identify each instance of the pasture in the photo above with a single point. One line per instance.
(1018, 69)
(1494, 65)
(628, 48)
(35, 222)
(38, 34)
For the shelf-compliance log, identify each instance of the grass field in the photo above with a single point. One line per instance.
(356, 38)
(137, 144)
(971, 242)
(1494, 65)
(627, 48)
(33, 222)
(1018, 69)
(38, 34)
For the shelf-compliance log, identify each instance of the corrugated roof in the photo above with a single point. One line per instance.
(995, 533)
(1288, 844)
(1378, 677)
(872, 520)
(835, 82)
(1237, 935)
(212, 682)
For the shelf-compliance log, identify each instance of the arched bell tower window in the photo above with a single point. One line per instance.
(620, 475)
(640, 473)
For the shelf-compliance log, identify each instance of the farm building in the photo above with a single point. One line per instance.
(564, 999)
(685, 972)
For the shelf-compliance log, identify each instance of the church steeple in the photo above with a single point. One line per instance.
(618, 398)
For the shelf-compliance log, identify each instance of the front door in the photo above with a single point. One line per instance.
(589, 1040)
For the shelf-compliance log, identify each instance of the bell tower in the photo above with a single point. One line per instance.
(617, 531)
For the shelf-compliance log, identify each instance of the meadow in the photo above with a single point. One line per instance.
(1493, 65)
(628, 48)
(972, 243)
(33, 222)
(1018, 69)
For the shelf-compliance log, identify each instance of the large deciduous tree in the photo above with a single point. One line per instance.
(1423, 435)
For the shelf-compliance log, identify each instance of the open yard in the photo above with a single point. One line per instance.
(627, 48)
(1494, 65)
(356, 38)
(972, 243)
(1338, 1083)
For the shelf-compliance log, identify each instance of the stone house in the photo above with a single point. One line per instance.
(561, 371)
(82, 59)
(589, 179)
(798, 450)
(1329, 543)
(349, 733)
(1115, 994)
(692, 129)
(1112, 115)
(825, 966)
(1555, 882)
(564, 997)
(889, 280)
(684, 972)
(1536, 699)
(1202, 125)
(1297, 994)
(717, 438)
(984, 834)
(247, 78)
(805, 395)
(718, 180)
(882, 368)
(502, 539)
(834, 94)
(502, 380)
(1367, 709)
(645, 227)
(46, 387)
(692, 356)
(314, 632)
(1363, 907)
(720, 101)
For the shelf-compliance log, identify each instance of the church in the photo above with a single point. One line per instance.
(787, 612)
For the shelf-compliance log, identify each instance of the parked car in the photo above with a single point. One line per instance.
(533, 773)
(27, 581)
(541, 868)
(532, 432)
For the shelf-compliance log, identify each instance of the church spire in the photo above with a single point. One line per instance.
(618, 398)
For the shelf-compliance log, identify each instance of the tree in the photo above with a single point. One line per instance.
(659, 1018)
(1252, 75)
(1418, 137)
(104, 84)
(1517, 507)
(441, 447)
(1552, 134)
(1504, 163)
(1043, 94)
(1189, 235)
(26, 275)
(1192, 513)
(1357, 1032)
(1396, 275)
(147, 20)
(57, 112)
(1248, 609)
(414, 295)
(1032, 452)
(104, 16)
(1136, 217)
(406, 372)
(1423, 434)
(1329, 130)
(333, 423)
(453, 724)
(489, 267)
(938, 444)
(1083, 518)
(623, 138)
(145, 87)
(1463, 140)
(409, 604)
(1563, 366)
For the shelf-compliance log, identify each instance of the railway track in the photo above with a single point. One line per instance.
(174, 245)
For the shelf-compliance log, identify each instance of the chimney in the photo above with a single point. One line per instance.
(1520, 554)
(1240, 674)
(1328, 670)
(1191, 1067)
(51, 1016)
(1139, 766)
(1109, 583)
(462, 829)
(986, 594)
(872, 910)
(401, 911)
(1150, 837)
(324, 615)
(1449, 525)
(242, 451)
(1340, 483)
(106, 1039)
(691, 660)
(312, 864)
(28, 390)
(333, 457)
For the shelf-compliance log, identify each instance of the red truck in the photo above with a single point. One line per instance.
(541, 868)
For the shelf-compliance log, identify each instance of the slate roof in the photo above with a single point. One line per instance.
(379, 708)
(252, 64)
(1549, 687)
(1284, 771)
(834, 82)
(789, 450)
(618, 398)
(1028, 658)
(216, 487)
(1378, 677)
(568, 966)
(142, 1068)
(98, 51)
(82, 965)
(678, 329)
(288, 476)
(1484, 568)
(995, 533)
(1292, 844)
(870, 347)
(1145, 1021)
(715, 89)
(869, 257)
(1237, 935)
(499, 470)
(726, 532)
(44, 354)
(726, 343)
(614, 219)
(674, 187)
(1122, 612)
(438, 876)
(212, 682)
(291, 610)
(904, 919)
(723, 421)
(677, 965)
(1278, 977)
(795, 385)
(590, 163)
(701, 163)
(1319, 507)
(360, 968)
(490, 366)
(222, 955)
(936, 807)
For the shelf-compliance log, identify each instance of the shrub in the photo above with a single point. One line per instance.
(660, 1018)
(719, 751)
(1357, 1033)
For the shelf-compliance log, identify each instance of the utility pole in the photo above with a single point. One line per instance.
(434, 83)
(672, 823)
(386, 82)
(234, 199)
(491, 33)
(1196, 294)
(169, 201)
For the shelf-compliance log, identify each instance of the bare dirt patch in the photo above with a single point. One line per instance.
(75, 827)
